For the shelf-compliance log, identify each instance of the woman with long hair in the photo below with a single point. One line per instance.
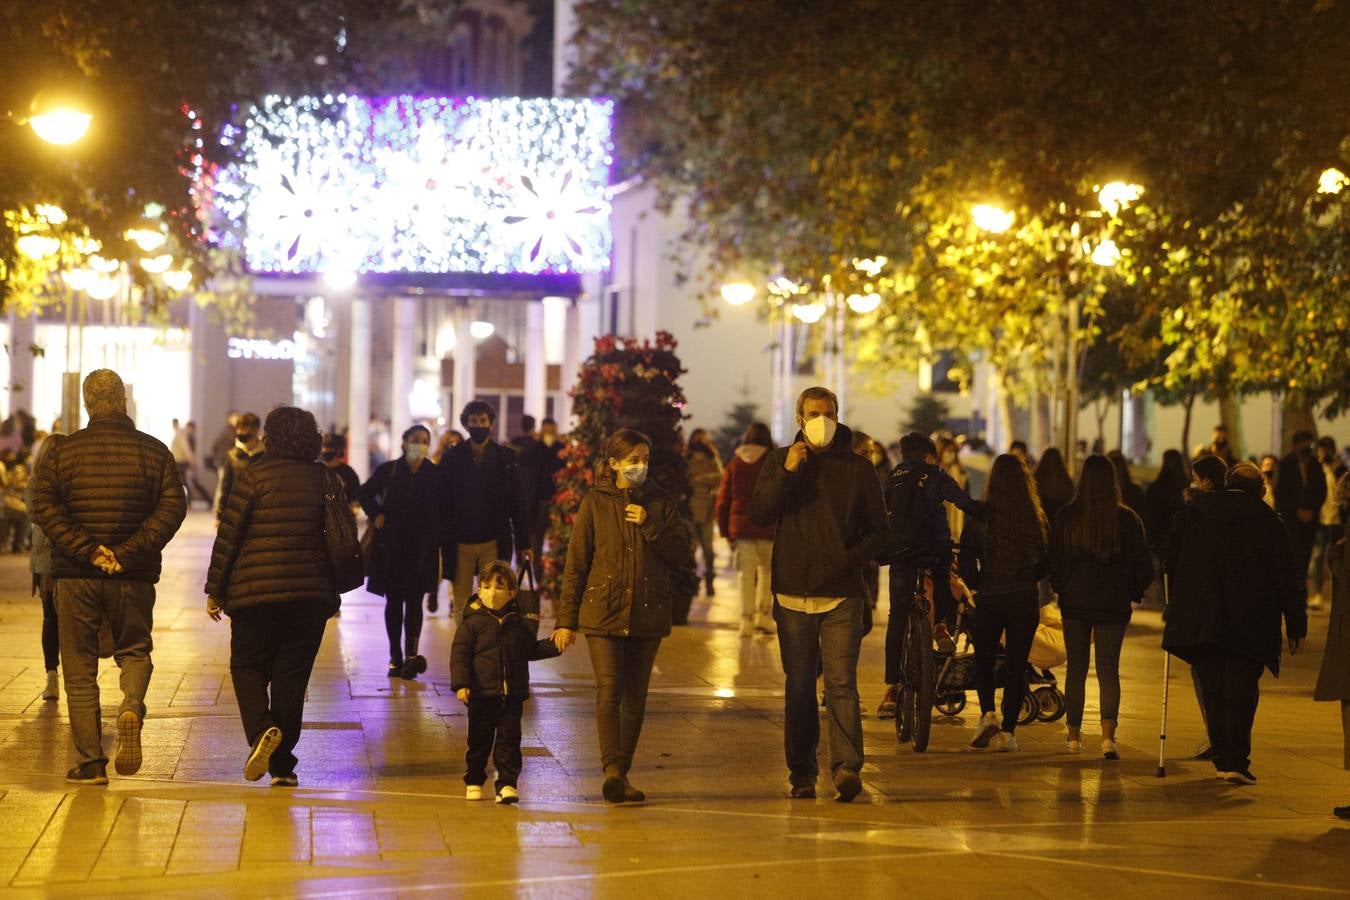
(1053, 483)
(404, 565)
(272, 575)
(1100, 564)
(753, 543)
(617, 589)
(1003, 556)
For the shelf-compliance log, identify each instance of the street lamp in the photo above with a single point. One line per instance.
(1117, 195)
(157, 265)
(862, 304)
(147, 239)
(58, 121)
(738, 293)
(1332, 181)
(481, 330)
(37, 246)
(991, 218)
(808, 313)
(178, 280)
(1106, 254)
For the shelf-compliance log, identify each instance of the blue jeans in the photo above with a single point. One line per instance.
(830, 641)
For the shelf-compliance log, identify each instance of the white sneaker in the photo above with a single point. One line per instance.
(473, 792)
(1006, 742)
(1072, 746)
(1109, 749)
(765, 624)
(508, 795)
(988, 727)
(53, 689)
(747, 627)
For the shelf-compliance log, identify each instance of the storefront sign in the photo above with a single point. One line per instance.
(255, 348)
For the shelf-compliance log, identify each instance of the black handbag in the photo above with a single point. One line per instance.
(339, 532)
(527, 599)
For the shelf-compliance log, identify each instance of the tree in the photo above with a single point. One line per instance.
(742, 414)
(928, 415)
(623, 384)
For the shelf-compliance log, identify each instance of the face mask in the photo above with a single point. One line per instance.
(549, 440)
(244, 439)
(635, 475)
(479, 434)
(415, 452)
(877, 459)
(820, 431)
(492, 598)
(329, 455)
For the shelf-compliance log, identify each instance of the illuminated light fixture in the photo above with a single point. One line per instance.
(157, 265)
(785, 287)
(54, 215)
(1106, 253)
(147, 239)
(481, 330)
(339, 279)
(106, 266)
(808, 313)
(1332, 181)
(994, 219)
(1117, 195)
(87, 245)
(870, 267)
(862, 304)
(57, 120)
(421, 184)
(738, 293)
(101, 287)
(178, 280)
(78, 279)
(724, 693)
(37, 246)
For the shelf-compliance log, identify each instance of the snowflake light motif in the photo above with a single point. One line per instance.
(552, 221)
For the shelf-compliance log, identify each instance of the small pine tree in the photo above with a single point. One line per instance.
(742, 413)
(928, 414)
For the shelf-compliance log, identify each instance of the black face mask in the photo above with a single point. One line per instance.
(479, 434)
(244, 437)
(329, 455)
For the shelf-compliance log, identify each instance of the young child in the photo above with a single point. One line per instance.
(490, 673)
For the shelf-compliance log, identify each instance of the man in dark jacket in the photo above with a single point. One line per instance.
(109, 498)
(1300, 491)
(1234, 578)
(248, 446)
(484, 511)
(825, 503)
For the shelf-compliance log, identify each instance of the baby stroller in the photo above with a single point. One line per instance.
(1044, 700)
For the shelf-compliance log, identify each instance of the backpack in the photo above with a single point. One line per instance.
(904, 509)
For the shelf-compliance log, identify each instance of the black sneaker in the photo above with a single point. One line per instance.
(848, 784)
(89, 773)
(803, 792)
(285, 781)
(1243, 777)
(415, 666)
(1341, 812)
(395, 669)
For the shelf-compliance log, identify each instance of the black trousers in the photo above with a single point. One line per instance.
(272, 650)
(403, 622)
(51, 639)
(1230, 685)
(903, 578)
(623, 671)
(494, 728)
(1012, 617)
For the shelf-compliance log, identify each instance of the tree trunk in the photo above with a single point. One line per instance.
(1298, 416)
(1189, 405)
(1230, 414)
(1042, 422)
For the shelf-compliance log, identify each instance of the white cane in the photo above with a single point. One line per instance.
(1167, 674)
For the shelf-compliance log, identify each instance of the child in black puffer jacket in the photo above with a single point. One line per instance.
(490, 673)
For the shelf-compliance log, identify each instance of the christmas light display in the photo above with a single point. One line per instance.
(421, 184)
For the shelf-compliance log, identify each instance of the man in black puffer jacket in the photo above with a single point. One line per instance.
(109, 498)
(826, 505)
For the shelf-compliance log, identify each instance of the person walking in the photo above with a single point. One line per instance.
(705, 477)
(1003, 556)
(1131, 493)
(1100, 565)
(752, 544)
(825, 505)
(626, 540)
(483, 514)
(15, 526)
(401, 502)
(1333, 680)
(44, 586)
(220, 453)
(1329, 530)
(1300, 491)
(248, 446)
(272, 575)
(109, 499)
(949, 461)
(1054, 485)
(490, 674)
(552, 463)
(1166, 495)
(1234, 577)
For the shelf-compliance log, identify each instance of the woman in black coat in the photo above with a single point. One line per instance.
(404, 565)
(1100, 566)
(1333, 681)
(271, 574)
(617, 588)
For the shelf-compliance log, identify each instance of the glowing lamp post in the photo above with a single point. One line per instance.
(58, 121)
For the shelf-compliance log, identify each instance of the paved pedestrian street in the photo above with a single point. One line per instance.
(380, 809)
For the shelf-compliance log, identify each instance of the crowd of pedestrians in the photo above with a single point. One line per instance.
(811, 524)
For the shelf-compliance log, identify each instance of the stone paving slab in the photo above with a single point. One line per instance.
(380, 811)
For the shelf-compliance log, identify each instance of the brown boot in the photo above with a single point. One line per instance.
(630, 793)
(614, 785)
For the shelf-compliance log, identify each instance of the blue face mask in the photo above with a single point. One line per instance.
(636, 474)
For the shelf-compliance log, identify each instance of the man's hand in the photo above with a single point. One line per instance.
(1295, 645)
(563, 638)
(104, 559)
(527, 554)
(796, 456)
(379, 521)
(463, 695)
(213, 609)
(634, 513)
(1306, 515)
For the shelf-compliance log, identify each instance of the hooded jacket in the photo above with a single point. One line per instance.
(617, 581)
(492, 651)
(1095, 590)
(829, 517)
(735, 493)
(1233, 577)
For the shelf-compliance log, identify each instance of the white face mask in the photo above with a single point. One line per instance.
(820, 431)
(415, 452)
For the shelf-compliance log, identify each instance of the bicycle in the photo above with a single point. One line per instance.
(918, 670)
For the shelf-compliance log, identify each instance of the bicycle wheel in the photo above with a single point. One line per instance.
(904, 715)
(925, 677)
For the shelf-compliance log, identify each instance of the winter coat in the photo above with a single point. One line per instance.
(1136, 499)
(1095, 590)
(405, 554)
(1164, 501)
(480, 502)
(829, 515)
(1233, 577)
(40, 557)
(735, 492)
(938, 490)
(990, 576)
(705, 475)
(492, 651)
(1333, 681)
(111, 485)
(270, 545)
(236, 461)
(617, 581)
(1300, 484)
